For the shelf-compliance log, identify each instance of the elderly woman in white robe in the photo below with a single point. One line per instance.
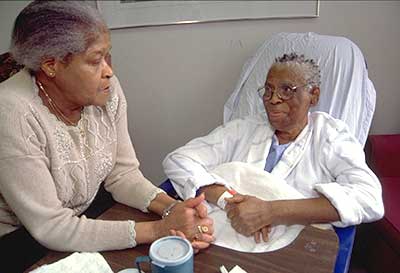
(315, 153)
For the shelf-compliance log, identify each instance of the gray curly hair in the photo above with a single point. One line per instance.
(54, 29)
(311, 69)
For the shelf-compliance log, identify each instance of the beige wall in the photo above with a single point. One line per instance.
(177, 78)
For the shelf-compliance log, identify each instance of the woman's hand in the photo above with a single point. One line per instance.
(197, 245)
(262, 233)
(250, 215)
(190, 218)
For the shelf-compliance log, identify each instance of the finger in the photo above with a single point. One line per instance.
(236, 227)
(257, 236)
(229, 207)
(194, 202)
(206, 238)
(242, 229)
(265, 233)
(207, 226)
(172, 232)
(235, 199)
(181, 234)
(201, 210)
(200, 245)
(230, 213)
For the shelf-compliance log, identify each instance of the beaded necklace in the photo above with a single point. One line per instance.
(57, 111)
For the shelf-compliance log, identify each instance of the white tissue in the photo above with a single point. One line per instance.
(84, 262)
(237, 269)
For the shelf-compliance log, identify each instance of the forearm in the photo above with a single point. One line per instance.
(184, 217)
(148, 232)
(304, 211)
(160, 202)
(188, 174)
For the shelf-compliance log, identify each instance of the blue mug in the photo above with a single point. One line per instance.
(171, 254)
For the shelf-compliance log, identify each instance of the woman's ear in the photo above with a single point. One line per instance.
(49, 67)
(314, 95)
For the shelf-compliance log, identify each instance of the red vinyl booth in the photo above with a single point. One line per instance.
(381, 240)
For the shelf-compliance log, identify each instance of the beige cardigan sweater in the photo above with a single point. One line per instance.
(50, 172)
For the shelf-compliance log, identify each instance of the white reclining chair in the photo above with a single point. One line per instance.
(346, 93)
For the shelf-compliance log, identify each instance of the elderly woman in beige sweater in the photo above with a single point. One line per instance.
(63, 131)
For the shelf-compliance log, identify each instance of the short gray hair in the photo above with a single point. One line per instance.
(310, 69)
(54, 29)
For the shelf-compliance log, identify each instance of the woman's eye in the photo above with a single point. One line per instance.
(287, 88)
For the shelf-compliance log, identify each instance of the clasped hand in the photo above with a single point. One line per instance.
(189, 220)
(250, 216)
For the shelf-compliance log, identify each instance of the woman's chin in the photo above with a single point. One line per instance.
(101, 99)
(279, 124)
(276, 119)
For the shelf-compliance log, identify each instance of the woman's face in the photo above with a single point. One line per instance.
(289, 116)
(85, 78)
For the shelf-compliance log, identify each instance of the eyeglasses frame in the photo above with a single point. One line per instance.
(293, 91)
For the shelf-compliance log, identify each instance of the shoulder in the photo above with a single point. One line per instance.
(16, 94)
(330, 129)
(246, 127)
(21, 128)
(251, 121)
(16, 88)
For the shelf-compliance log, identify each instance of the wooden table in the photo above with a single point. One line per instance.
(314, 251)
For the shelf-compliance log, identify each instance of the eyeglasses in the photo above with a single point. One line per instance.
(284, 92)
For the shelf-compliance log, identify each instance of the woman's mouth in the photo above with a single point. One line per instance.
(106, 89)
(275, 114)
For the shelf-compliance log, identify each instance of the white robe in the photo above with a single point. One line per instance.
(324, 159)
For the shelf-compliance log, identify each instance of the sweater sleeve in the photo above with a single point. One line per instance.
(126, 182)
(28, 188)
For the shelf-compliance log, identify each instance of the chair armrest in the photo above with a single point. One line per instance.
(346, 241)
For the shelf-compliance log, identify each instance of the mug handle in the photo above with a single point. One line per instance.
(142, 259)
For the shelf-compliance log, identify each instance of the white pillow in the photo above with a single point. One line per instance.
(247, 179)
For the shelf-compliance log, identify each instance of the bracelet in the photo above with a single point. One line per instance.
(221, 200)
(167, 210)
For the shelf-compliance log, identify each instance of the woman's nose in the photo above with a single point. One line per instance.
(107, 71)
(275, 98)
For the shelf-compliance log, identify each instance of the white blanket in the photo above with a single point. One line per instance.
(246, 179)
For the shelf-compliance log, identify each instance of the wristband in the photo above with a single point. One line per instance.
(221, 200)
(167, 210)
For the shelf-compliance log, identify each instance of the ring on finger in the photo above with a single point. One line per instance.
(202, 229)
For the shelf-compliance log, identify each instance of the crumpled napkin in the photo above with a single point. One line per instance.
(236, 269)
(84, 262)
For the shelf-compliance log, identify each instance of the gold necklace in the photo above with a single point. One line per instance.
(57, 111)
